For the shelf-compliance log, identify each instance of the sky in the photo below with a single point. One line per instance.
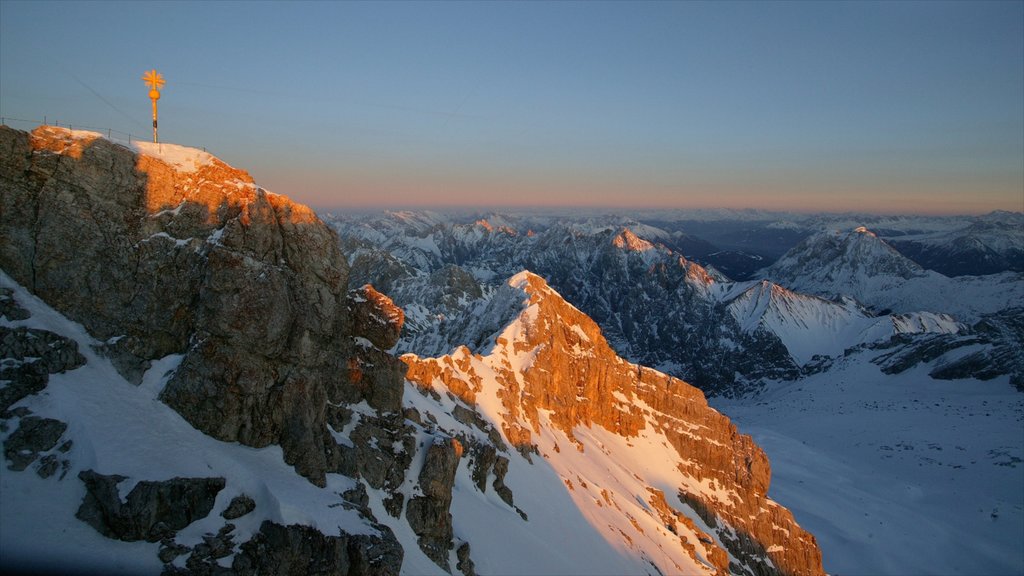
(887, 107)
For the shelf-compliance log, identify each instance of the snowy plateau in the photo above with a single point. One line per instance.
(202, 377)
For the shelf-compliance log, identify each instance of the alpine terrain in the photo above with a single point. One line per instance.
(887, 394)
(196, 381)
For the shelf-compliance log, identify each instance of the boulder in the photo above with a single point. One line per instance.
(151, 511)
(33, 436)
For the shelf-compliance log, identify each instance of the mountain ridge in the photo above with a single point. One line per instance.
(214, 314)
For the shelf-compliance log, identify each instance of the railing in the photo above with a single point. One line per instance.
(111, 134)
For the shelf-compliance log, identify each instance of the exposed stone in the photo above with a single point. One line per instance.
(23, 379)
(49, 464)
(31, 356)
(157, 260)
(428, 515)
(357, 496)
(297, 550)
(381, 451)
(169, 550)
(9, 307)
(482, 459)
(239, 506)
(584, 383)
(375, 317)
(465, 563)
(151, 511)
(503, 491)
(56, 353)
(33, 436)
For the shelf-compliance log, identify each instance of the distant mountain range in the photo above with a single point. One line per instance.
(199, 376)
(194, 384)
(828, 293)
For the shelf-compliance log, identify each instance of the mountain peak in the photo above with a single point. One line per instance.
(830, 263)
(555, 389)
(629, 241)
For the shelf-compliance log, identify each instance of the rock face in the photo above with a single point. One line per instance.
(428, 515)
(34, 435)
(30, 356)
(572, 381)
(151, 511)
(170, 250)
(298, 550)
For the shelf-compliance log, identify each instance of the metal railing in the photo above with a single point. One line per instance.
(111, 134)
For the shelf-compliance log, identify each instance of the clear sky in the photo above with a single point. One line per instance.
(880, 107)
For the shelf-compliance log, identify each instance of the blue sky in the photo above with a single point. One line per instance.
(880, 107)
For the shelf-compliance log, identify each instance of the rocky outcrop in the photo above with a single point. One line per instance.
(33, 436)
(428, 514)
(375, 317)
(297, 550)
(29, 357)
(292, 550)
(992, 347)
(151, 511)
(169, 250)
(573, 377)
(239, 506)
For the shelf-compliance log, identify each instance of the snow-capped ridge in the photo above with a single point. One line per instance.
(867, 268)
(555, 389)
(627, 240)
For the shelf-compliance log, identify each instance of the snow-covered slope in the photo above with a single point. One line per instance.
(115, 427)
(897, 473)
(219, 401)
(622, 441)
(610, 486)
(810, 326)
(860, 265)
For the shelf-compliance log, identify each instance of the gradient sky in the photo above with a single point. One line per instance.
(878, 107)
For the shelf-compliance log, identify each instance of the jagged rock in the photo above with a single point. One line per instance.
(47, 466)
(375, 317)
(9, 307)
(357, 496)
(193, 259)
(375, 376)
(429, 515)
(373, 455)
(297, 550)
(239, 506)
(35, 354)
(151, 511)
(33, 436)
(482, 459)
(465, 563)
(583, 384)
(992, 347)
(503, 491)
(23, 379)
(56, 353)
(656, 307)
(169, 550)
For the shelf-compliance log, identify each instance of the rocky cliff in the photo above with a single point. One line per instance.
(549, 379)
(167, 250)
(171, 332)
